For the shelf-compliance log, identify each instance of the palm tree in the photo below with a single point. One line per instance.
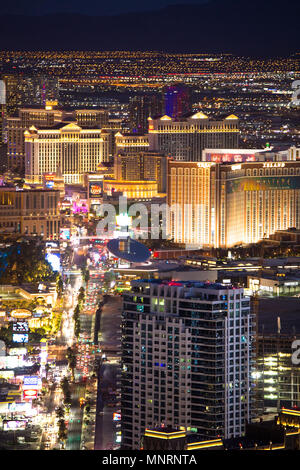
(60, 412)
(71, 356)
(47, 368)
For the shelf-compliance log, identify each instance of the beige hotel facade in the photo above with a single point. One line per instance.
(32, 212)
(72, 149)
(222, 205)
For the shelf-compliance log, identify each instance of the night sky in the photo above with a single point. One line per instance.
(251, 27)
(89, 7)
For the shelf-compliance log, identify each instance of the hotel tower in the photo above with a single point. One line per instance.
(186, 359)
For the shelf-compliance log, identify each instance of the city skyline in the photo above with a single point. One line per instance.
(149, 230)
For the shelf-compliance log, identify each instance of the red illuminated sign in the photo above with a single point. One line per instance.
(96, 189)
(30, 394)
(229, 157)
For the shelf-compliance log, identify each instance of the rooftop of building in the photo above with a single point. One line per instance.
(246, 443)
(199, 115)
(289, 230)
(187, 284)
(27, 190)
(163, 266)
(58, 107)
(254, 262)
(68, 124)
(164, 430)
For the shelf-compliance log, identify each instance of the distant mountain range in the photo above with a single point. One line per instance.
(251, 28)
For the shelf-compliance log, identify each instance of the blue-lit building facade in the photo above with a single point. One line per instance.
(177, 101)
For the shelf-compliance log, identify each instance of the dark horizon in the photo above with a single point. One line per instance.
(214, 27)
(92, 7)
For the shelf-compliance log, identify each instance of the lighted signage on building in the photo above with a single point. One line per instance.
(20, 313)
(44, 351)
(19, 407)
(95, 189)
(203, 164)
(11, 362)
(17, 351)
(263, 184)
(20, 337)
(54, 260)
(274, 165)
(20, 327)
(14, 424)
(229, 157)
(80, 206)
(65, 234)
(116, 417)
(7, 374)
(32, 382)
(30, 394)
(39, 312)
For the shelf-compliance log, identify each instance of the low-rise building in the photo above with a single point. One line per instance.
(30, 212)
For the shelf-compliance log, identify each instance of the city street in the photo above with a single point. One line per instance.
(75, 418)
(108, 374)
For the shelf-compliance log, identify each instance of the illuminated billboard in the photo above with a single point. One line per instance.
(54, 261)
(95, 189)
(20, 337)
(40, 311)
(11, 362)
(32, 382)
(221, 157)
(20, 327)
(12, 425)
(49, 184)
(17, 351)
(7, 374)
(65, 234)
(30, 394)
(263, 183)
(19, 407)
(20, 313)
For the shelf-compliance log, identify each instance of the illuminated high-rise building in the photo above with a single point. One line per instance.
(109, 131)
(75, 151)
(146, 166)
(22, 91)
(2, 111)
(37, 90)
(48, 117)
(25, 90)
(141, 107)
(177, 101)
(221, 205)
(186, 359)
(92, 118)
(131, 143)
(184, 140)
(278, 379)
(13, 94)
(190, 183)
(30, 212)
